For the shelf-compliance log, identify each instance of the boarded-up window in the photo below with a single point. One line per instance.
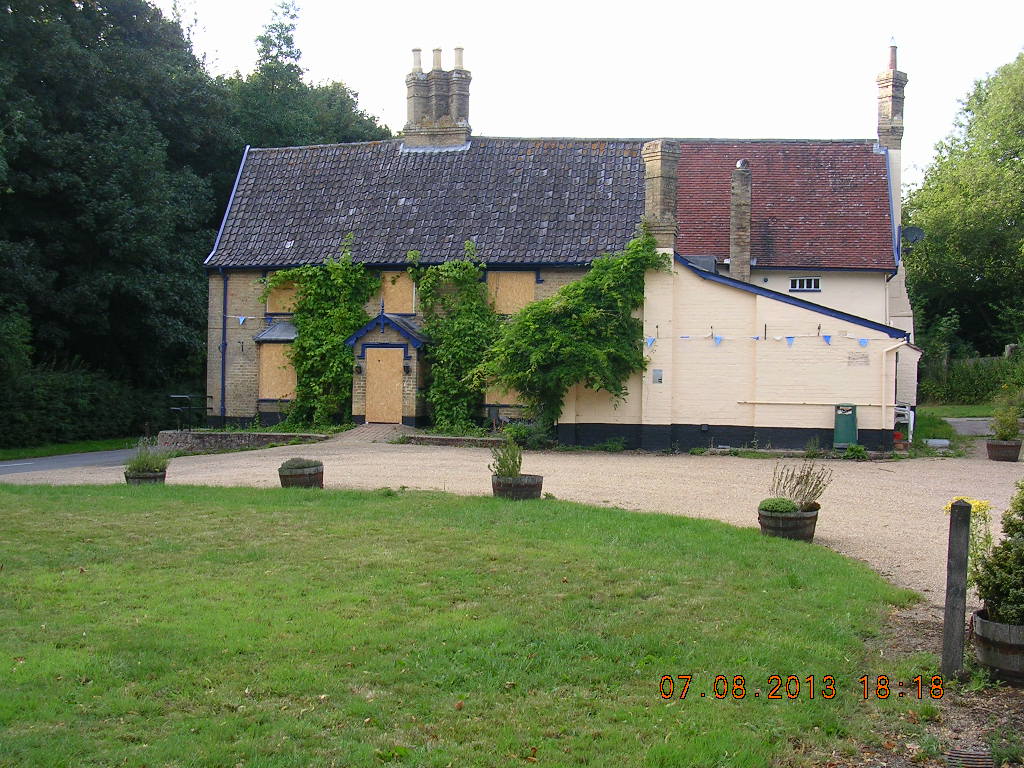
(510, 291)
(277, 376)
(398, 293)
(281, 299)
(498, 396)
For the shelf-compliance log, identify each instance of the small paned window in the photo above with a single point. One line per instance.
(805, 283)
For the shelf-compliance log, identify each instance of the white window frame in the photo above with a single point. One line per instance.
(805, 285)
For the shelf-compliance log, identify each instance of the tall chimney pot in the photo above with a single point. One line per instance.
(661, 169)
(739, 222)
(438, 104)
(891, 83)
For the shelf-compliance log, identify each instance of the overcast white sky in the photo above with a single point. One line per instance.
(730, 69)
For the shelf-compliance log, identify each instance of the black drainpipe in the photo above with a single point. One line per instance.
(223, 347)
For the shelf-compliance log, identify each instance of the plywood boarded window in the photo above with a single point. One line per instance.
(281, 299)
(277, 376)
(499, 396)
(398, 292)
(510, 291)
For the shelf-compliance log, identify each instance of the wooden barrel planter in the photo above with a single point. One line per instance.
(519, 487)
(1003, 450)
(302, 477)
(144, 478)
(788, 525)
(1000, 647)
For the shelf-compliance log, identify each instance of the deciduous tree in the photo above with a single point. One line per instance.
(971, 208)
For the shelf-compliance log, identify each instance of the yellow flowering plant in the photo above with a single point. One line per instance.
(980, 543)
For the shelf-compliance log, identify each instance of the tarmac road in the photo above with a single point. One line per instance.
(66, 461)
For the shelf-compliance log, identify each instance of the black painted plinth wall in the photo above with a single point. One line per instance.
(683, 437)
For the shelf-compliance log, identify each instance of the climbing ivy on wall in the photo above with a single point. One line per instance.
(329, 307)
(461, 325)
(584, 334)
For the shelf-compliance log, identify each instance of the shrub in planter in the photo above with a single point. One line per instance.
(507, 481)
(1005, 443)
(803, 484)
(148, 465)
(999, 627)
(778, 505)
(301, 473)
(980, 539)
(792, 510)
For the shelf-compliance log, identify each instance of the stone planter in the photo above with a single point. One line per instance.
(788, 525)
(1000, 647)
(144, 478)
(302, 477)
(519, 487)
(1003, 450)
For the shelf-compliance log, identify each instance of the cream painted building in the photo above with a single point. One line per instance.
(785, 298)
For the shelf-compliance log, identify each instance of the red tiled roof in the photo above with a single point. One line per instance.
(815, 204)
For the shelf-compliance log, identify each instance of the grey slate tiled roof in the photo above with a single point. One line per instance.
(522, 201)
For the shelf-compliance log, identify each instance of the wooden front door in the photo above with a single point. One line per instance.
(384, 385)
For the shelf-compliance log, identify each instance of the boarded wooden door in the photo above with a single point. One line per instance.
(384, 385)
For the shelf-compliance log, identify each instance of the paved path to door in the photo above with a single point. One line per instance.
(887, 513)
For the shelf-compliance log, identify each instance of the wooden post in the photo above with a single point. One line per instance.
(956, 589)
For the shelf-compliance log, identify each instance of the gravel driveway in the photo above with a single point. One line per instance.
(887, 513)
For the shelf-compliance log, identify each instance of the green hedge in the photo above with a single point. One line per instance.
(47, 405)
(971, 381)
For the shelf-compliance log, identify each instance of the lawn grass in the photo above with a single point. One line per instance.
(928, 425)
(59, 449)
(955, 411)
(186, 626)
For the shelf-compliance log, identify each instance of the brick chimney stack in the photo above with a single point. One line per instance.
(438, 103)
(891, 83)
(661, 162)
(739, 222)
(417, 93)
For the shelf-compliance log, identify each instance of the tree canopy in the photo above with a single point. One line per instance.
(117, 154)
(969, 269)
(275, 107)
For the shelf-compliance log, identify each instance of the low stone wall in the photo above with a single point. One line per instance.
(202, 442)
(461, 442)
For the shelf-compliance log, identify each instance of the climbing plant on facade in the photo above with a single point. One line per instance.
(461, 325)
(329, 307)
(584, 334)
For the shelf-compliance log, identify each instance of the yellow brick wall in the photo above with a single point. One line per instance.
(242, 368)
(553, 279)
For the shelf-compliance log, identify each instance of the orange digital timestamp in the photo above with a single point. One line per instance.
(779, 687)
(736, 687)
(882, 687)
